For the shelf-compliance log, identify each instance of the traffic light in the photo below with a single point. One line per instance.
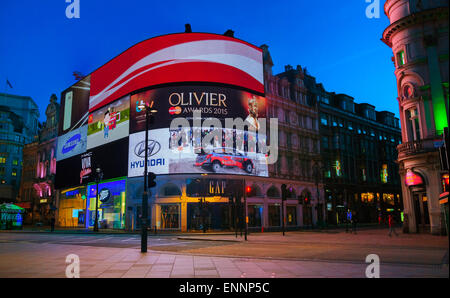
(151, 179)
(283, 192)
(305, 200)
(249, 191)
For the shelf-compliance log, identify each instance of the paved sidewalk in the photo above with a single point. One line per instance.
(48, 260)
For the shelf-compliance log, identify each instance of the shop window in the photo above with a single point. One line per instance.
(111, 204)
(291, 215)
(72, 207)
(255, 215)
(367, 197)
(170, 216)
(170, 190)
(274, 215)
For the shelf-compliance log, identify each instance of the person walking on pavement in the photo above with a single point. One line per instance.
(349, 219)
(392, 225)
(52, 223)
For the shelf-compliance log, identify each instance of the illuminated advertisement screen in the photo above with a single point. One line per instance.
(109, 123)
(72, 143)
(168, 157)
(74, 106)
(175, 58)
(79, 170)
(181, 101)
(181, 150)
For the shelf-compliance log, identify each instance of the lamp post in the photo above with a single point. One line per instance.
(144, 224)
(98, 178)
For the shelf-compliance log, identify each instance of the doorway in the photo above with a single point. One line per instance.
(421, 212)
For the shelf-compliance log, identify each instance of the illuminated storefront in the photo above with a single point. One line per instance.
(72, 207)
(111, 203)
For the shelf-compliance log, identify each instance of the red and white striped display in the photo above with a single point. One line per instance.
(184, 57)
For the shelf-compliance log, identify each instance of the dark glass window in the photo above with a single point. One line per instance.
(274, 215)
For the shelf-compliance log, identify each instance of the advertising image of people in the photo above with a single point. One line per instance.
(235, 150)
(109, 123)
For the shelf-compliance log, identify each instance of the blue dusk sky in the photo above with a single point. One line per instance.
(40, 47)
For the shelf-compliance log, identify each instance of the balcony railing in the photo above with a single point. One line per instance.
(416, 147)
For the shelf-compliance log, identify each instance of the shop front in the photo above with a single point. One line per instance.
(72, 208)
(110, 203)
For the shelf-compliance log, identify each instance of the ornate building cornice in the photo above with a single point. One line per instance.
(413, 19)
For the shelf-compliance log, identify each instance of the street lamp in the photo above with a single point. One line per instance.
(98, 178)
(148, 113)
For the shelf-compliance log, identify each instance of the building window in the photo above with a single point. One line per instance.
(274, 215)
(401, 59)
(255, 215)
(413, 125)
(14, 172)
(324, 119)
(291, 215)
(170, 216)
(170, 190)
(2, 159)
(15, 162)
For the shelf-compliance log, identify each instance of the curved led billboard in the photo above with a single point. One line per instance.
(177, 58)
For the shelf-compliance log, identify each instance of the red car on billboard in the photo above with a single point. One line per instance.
(224, 157)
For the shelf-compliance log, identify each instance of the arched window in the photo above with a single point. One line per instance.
(256, 191)
(169, 190)
(291, 193)
(273, 192)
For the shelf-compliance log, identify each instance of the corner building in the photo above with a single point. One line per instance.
(101, 139)
(418, 36)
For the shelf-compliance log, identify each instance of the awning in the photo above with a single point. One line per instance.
(11, 208)
(25, 205)
(443, 198)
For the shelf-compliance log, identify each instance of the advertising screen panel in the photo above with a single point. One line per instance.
(109, 123)
(175, 58)
(158, 152)
(72, 143)
(168, 157)
(74, 106)
(111, 158)
(181, 150)
(181, 101)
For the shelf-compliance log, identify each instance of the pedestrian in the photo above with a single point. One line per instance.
(349, 219)
(392, 225)
(354, 221)
(52, 223)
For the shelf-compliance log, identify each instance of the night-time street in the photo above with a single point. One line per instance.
(264, 255)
